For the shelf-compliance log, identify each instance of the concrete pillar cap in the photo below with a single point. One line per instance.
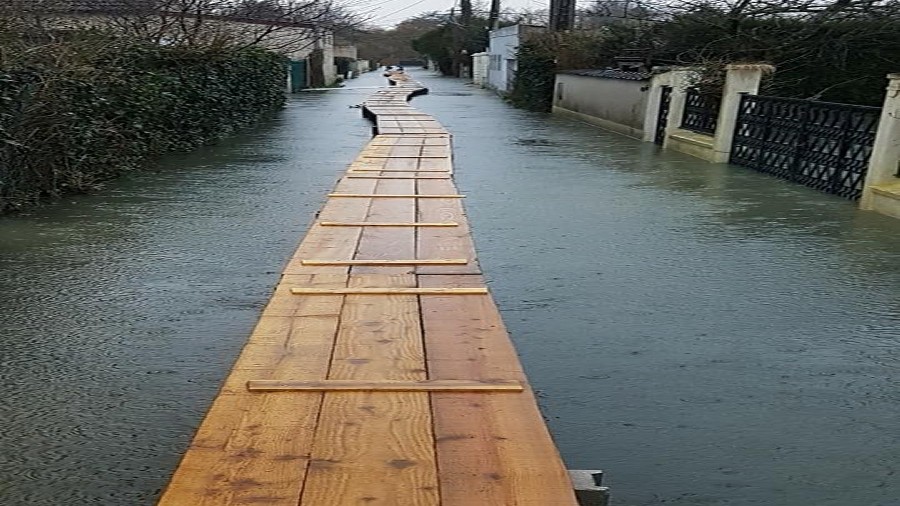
(893, 83)
(764, 67)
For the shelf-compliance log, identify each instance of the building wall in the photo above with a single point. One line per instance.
(615, 104)
(326, 42)
(480, 63)
(345, 52)
(294, 42)
(502, 64)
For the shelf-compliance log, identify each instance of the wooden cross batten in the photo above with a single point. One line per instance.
(447, 261)
(361, 171)
(395, 196)
(385, 385)
(386, 224)
(405, 156)
(360, 176)
(389, 291)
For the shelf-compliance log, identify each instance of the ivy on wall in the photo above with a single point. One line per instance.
(542, 55)
(535, 74)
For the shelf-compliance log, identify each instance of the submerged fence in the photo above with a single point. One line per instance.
(701, 112)
(823, 145)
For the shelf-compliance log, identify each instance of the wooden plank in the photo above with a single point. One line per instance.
(384, 386)
(389, 291)
(386, 224)
(493, 449)
(334, 243)
(254, 448)
(453, 243)
(449, 261)
(331, 447)
(394, 196)
(284, 303)
(389, 242)
(375, 447)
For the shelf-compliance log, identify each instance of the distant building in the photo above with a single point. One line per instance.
(504, 43)
(480, 63)
(309, 47)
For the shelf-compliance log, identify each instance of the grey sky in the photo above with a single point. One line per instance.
(390, 12)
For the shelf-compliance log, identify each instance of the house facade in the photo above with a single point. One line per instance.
(309, 47)
(502, 60)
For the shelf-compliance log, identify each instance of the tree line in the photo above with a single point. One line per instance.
(833, 50)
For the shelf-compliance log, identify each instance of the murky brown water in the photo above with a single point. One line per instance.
(705, 334)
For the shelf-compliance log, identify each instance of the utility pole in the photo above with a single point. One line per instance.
(562, 15)
(463, 28)
(465, 12)
(494, 16)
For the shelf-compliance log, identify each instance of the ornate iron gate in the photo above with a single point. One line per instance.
(701, 112)
(819, 144)
(665, 96)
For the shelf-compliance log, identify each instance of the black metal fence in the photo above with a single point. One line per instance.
(819, 144)
(662, 116)
(701, 112)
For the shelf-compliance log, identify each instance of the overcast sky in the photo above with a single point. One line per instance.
(390, 12)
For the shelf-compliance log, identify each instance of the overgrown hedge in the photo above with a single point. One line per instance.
(76, 112)
(535, 75)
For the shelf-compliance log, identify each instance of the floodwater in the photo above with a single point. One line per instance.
(705, 334)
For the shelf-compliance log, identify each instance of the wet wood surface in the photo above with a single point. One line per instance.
(380, 371)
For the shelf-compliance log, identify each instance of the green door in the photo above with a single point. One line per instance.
(298, 75)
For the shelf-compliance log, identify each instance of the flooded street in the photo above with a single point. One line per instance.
(705, 334)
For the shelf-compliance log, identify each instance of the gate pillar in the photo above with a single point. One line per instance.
(739, 78)
(881, 190)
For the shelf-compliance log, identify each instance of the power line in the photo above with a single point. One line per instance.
(398, 10)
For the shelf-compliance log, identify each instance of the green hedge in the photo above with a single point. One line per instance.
(535, 75)
(81, 111)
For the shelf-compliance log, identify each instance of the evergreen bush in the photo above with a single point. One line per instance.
(82, 109)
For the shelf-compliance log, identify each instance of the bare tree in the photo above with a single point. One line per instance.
(275, 24)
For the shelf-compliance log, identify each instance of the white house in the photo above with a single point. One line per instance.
(480, 63)
(310, 47)
(504, 43)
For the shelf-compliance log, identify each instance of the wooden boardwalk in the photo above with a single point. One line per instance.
(380, 372)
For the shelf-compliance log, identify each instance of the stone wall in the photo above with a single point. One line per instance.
(612, 99)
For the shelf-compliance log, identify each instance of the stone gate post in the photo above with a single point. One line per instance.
(680, 80)
(881, 189)
(677, 78)
(739, 78)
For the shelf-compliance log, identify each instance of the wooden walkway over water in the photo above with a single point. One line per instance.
(380, 372)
